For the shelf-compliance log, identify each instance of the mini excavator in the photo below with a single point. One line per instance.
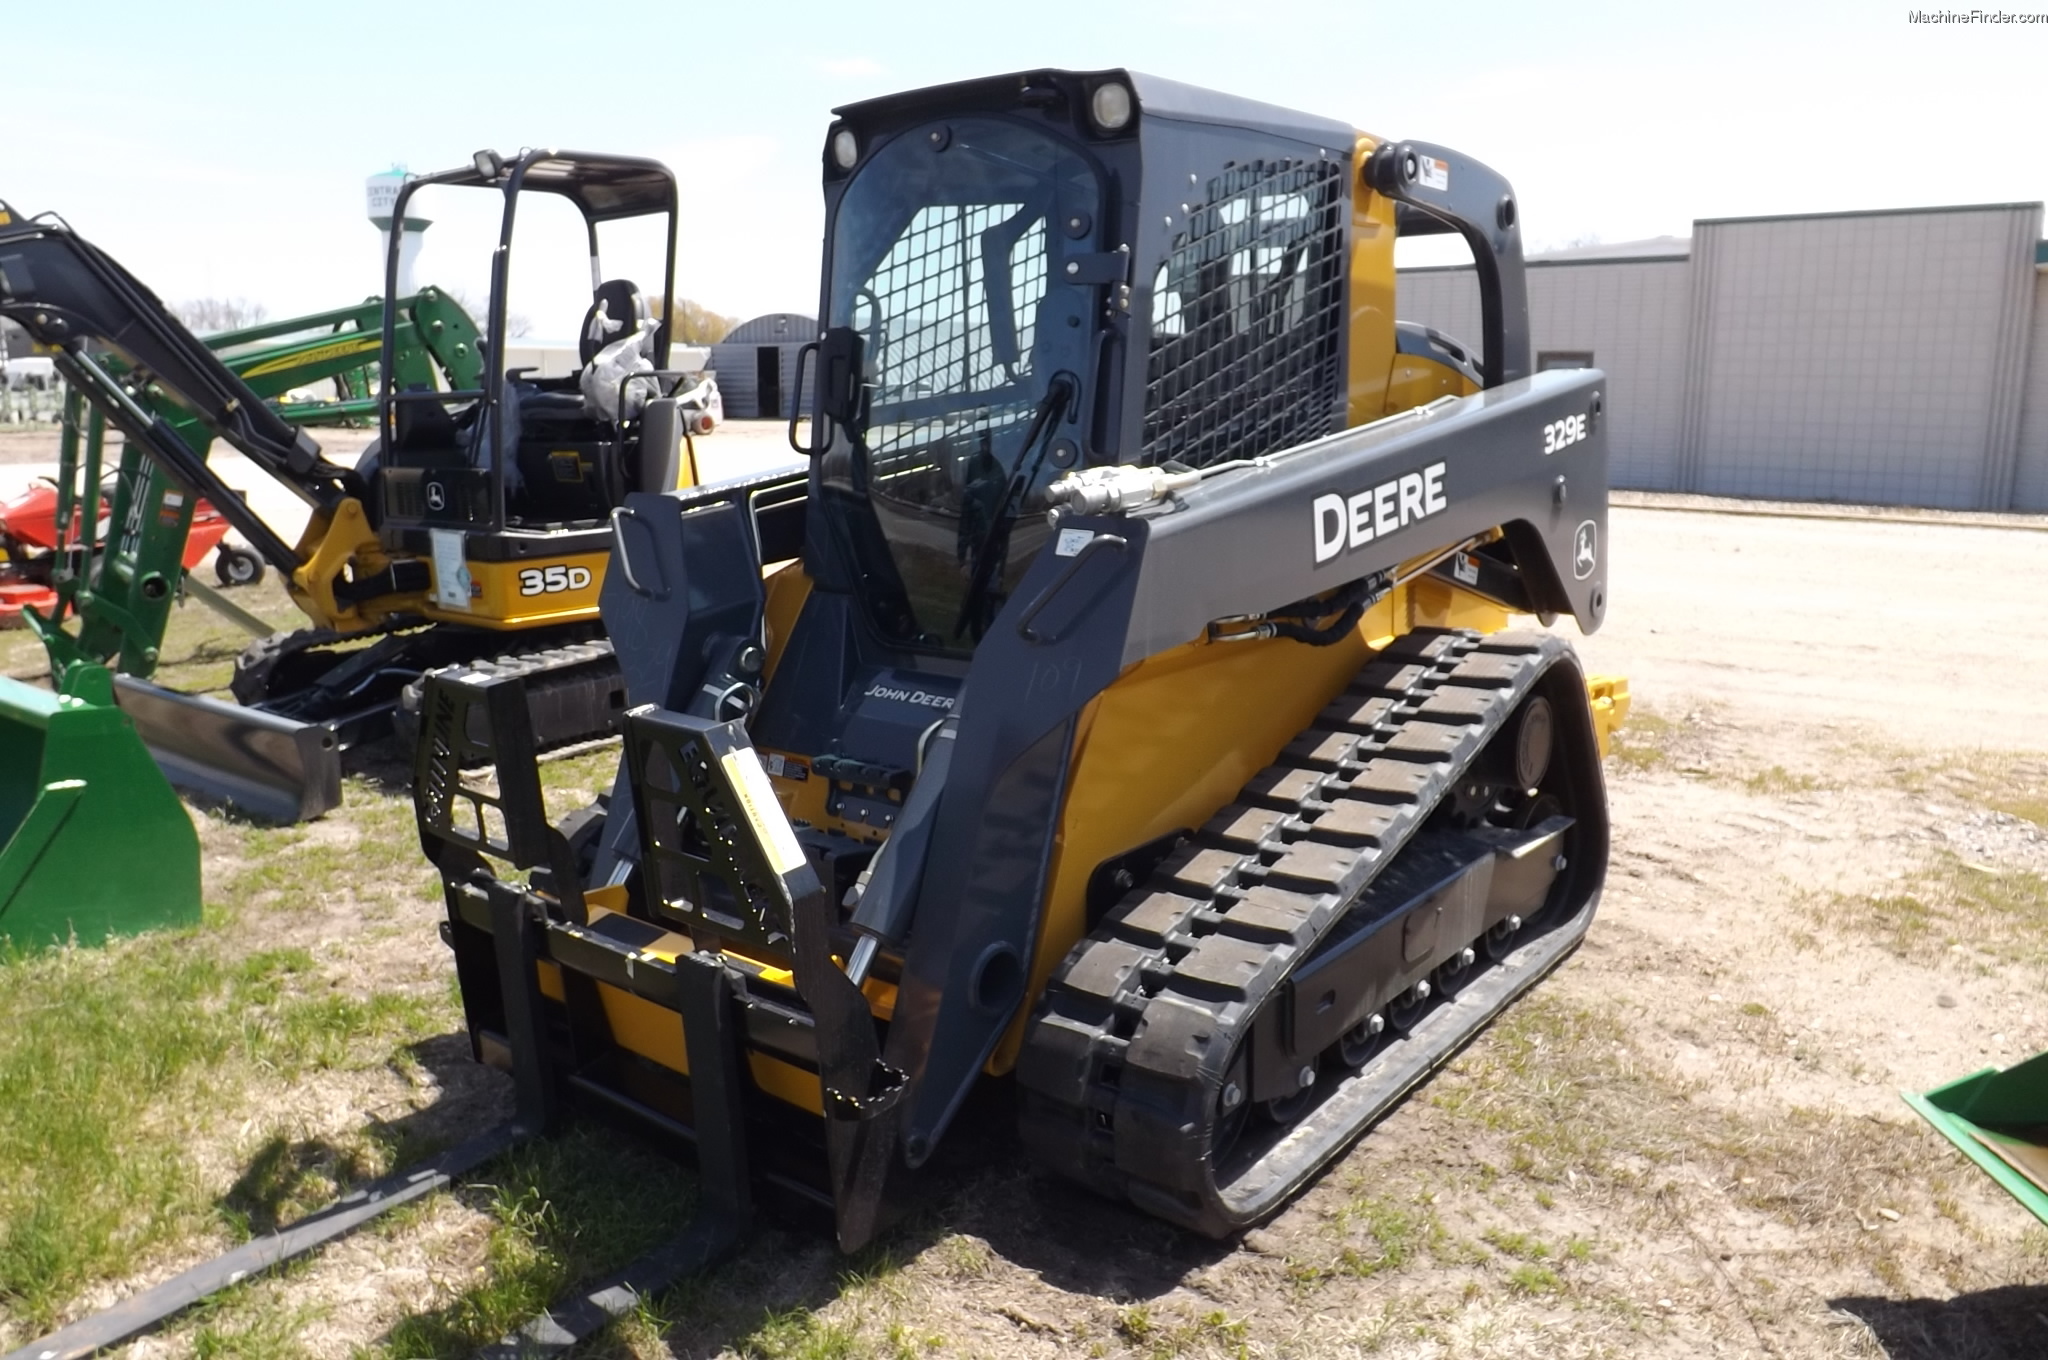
(476, 529)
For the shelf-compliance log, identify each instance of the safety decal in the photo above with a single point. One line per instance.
(757, 804)
(784, 767)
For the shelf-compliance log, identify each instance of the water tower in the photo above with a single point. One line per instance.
(381, 190)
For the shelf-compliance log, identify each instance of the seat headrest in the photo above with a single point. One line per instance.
(616, 310)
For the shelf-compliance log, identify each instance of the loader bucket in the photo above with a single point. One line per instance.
(93, 842)
(2000, 1121)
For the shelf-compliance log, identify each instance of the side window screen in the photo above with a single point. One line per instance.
(1248, 317)
(944, 326)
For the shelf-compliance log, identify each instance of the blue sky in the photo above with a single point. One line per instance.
(219, 149)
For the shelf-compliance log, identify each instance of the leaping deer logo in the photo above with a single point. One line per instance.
(1585, 550)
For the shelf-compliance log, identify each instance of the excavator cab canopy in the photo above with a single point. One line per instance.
(523, 450)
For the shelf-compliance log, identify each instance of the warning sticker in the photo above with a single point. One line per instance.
(785, 767)
(1071, 541)
(451, 569)
(1435, 174)
(757, 801)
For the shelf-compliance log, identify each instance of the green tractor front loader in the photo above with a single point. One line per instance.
(93, 842)
(93, 839)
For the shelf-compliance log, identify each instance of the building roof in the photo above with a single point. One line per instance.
(1654, 247)
(774, 328)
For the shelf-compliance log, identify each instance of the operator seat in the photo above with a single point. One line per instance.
(616, 310)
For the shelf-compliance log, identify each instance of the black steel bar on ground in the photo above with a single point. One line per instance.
(139, 1314)
(712, 1037)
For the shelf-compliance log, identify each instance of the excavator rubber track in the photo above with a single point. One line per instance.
(1128, 1068)
(574, 684)
(575, 692)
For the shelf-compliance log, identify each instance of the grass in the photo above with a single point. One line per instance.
(1644, 742)
(118, 1064)
(1581, 1110)
(1213, 1332)
(369, 851)
(563, 1210)
(112, 1059)
(1777, 780)
(1952, 902)
(2013, 782)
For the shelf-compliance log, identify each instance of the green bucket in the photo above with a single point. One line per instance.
(93, 842)
(2000, 1121)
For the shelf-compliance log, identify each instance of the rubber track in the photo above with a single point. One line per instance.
(1121, 1068)
(564, 684)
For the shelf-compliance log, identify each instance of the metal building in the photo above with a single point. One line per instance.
(756, 366)
(1892, 357)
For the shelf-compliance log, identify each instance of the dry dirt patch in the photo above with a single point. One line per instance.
(1826, 884)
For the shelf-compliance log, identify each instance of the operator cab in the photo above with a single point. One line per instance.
(528, 454)
(999, 313)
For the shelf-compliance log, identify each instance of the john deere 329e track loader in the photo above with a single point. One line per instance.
(1124, 699)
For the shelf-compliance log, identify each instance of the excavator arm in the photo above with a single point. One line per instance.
(70, 295)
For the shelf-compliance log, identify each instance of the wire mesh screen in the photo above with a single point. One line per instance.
(942, 330)
(1248, 317)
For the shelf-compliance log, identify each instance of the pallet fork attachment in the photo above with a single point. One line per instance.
(472, 720)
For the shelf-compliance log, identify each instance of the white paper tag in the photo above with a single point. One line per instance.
(1071, 542)
(451, 571)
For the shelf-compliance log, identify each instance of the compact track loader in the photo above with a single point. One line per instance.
(1125, 700)
(475, 530)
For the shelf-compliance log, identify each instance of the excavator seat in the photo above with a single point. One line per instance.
(616, 308)
(566, 459)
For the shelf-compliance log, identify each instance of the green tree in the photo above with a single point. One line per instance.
(692, 323)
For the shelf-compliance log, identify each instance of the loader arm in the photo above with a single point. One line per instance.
(69, 294)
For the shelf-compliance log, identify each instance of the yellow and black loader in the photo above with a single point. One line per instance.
(1123, 702)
